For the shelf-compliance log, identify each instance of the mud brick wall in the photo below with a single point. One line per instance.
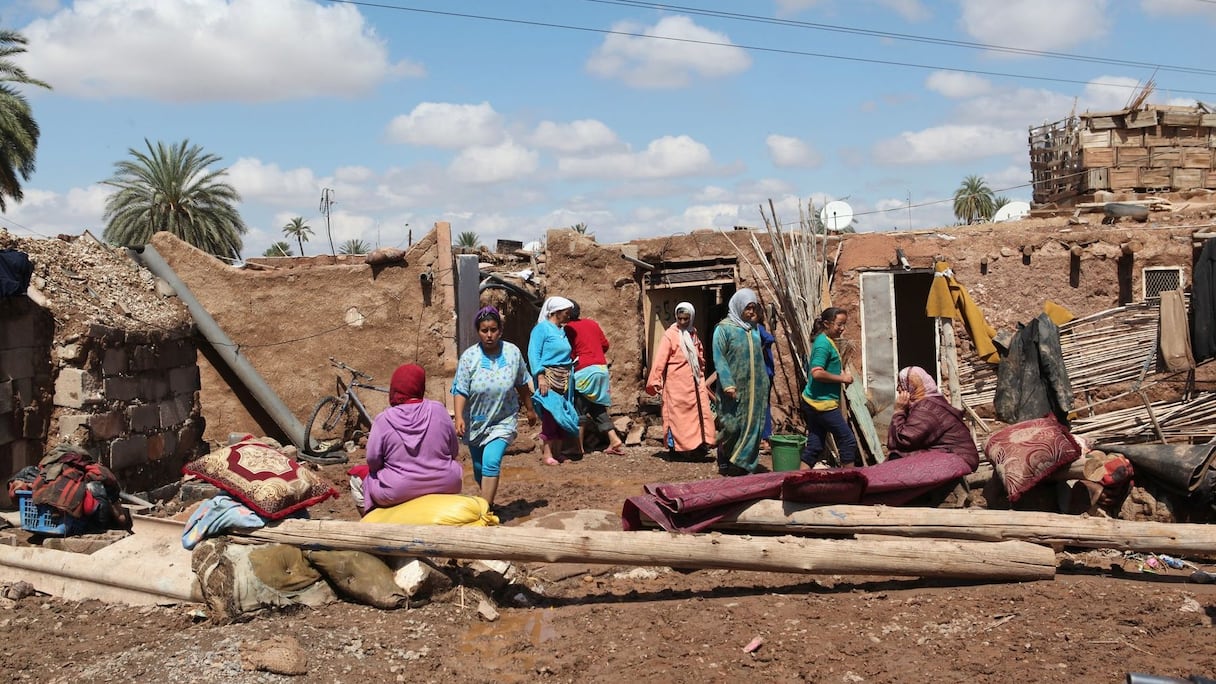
(132, 399)
(26, 331)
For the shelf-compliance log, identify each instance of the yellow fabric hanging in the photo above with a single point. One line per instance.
(948, 298)
(1058, 314)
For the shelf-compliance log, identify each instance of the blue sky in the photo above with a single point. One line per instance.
(505, 127)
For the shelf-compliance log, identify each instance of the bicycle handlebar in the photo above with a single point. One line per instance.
(353, 371)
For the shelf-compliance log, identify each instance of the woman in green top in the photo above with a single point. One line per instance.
(739, 360)
(820, 403)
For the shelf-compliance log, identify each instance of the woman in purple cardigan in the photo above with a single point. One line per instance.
(925, 421)
(412, 446)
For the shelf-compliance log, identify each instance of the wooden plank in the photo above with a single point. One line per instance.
(1196, 158)
(1154, 178)
(1140, 118)
(1192, 136)
(1102, 122)
(1131, 156)
(1176, 118)
(1043, 528)
(1122, 137)
(1096, 179)
(1165, 157)
(1089, 139)
(855, 397)
(1124, 178)
(1185, 179)
(1098, 157)
(1208, 120)
(1012, 560)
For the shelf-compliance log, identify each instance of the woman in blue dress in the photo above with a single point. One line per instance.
(491, 383)
(549, 357)
(739, 361)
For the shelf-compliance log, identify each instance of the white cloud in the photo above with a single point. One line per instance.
(666, 157)
(955, 84)
(576, 136)
(789, 152)
(1035, 24)
(201, 50)
(45, 213)
(443, 124)
(949, 143)
(258, 181)
(651, 63)
(492, 164)
(1106, 93)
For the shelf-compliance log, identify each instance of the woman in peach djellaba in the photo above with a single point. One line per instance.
(679, 373)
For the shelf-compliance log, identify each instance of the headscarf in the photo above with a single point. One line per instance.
(917, 383)
(488, 313)
(686, 341)
(551, 306)
(408, 385)
(739, 302)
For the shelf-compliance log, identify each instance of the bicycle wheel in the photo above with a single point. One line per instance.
(325, 433)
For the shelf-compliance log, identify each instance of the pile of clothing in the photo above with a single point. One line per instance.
(72, 482)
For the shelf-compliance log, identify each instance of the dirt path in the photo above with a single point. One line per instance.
(598, 624)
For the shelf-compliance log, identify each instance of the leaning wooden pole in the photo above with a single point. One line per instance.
(1018, 561)
(982, 525)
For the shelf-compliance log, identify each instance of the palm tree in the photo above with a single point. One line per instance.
(354, 246)
(973, 201)
(18, 130)
(278, 249)
(171, 188)
(468, 239)
(299, 230)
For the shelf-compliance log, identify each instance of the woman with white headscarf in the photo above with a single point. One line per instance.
(679, 373)
(550, 362)
(739, 362)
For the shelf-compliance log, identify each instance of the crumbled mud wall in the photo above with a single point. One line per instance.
(288, 321)
(607, 290)
(99, 356)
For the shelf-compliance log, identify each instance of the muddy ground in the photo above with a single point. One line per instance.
(1099, 619)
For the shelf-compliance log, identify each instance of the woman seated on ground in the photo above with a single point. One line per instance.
(412, 446)
(925, 421)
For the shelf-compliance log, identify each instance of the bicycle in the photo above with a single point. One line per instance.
(338, 418)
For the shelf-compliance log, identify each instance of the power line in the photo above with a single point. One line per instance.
(754, 18)
(754, 48)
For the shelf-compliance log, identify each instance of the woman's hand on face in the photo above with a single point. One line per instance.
(542, 385)
(460, 426)
(902, 399)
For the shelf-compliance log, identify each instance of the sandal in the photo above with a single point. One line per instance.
(618, 450)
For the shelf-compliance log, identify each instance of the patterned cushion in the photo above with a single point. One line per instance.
(1025, 453)
(262, 477)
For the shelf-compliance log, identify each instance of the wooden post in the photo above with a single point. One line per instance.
(949, 358)
(983, 525)
(914, 558)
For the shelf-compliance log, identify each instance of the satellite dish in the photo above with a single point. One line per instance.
(836, 216)
(1013, 211)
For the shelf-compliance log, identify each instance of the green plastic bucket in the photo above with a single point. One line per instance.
(786, 451)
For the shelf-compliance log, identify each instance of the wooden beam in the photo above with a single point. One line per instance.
(984, 525)
(920, 558)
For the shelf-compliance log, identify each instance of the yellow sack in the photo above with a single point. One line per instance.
(437, 509)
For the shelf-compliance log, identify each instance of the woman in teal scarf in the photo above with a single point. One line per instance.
(739, 361)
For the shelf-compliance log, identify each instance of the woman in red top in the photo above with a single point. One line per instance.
(588, 344)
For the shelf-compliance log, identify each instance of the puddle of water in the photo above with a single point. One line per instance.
(495, 644)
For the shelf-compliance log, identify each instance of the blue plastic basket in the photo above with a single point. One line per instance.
(43, 519)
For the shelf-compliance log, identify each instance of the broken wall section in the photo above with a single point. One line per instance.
(131, 398)
(26, 332)
(289, 320)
